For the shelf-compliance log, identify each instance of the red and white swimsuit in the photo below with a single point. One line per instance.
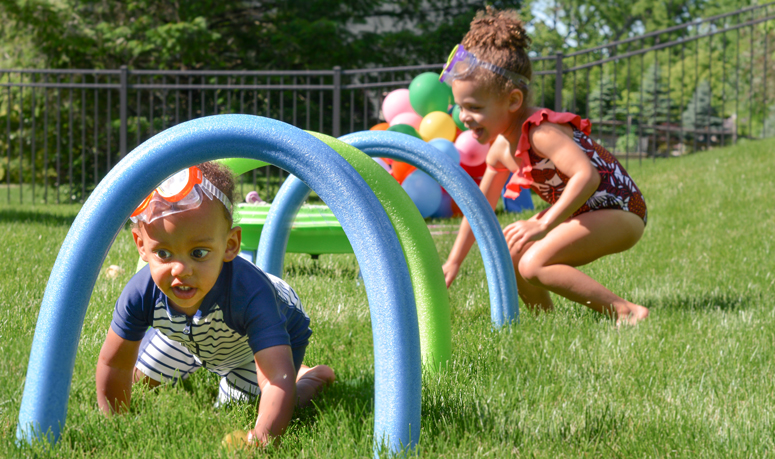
(616, 190)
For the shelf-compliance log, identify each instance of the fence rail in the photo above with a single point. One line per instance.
(669, 92)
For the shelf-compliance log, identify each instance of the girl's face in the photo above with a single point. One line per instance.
(486, 113)
(186, 251)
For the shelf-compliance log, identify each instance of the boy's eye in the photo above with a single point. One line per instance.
(163, 254)
(199, 253)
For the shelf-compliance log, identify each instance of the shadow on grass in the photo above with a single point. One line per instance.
(65, 218)
(706, 301)
(322, 268)
(351, 394)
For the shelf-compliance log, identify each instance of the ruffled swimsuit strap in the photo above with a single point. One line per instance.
(522, 178)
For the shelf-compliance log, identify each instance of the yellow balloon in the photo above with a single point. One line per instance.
(437, 125)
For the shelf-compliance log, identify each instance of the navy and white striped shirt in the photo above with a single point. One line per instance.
(246, 311)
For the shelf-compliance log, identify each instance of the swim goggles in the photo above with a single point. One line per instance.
(461, 64)
(180, 192)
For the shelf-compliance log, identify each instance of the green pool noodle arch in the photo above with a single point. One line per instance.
(430, 289)
(422, 259)
(239, 166)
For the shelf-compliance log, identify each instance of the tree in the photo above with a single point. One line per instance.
(769, 122)
(700, 115)
(602, 99)
(247, 34)
(656, 103)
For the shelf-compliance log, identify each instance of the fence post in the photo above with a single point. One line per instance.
(337, 102)
(558, 82)
(122, 112)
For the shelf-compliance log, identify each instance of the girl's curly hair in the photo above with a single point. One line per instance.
(499, 37)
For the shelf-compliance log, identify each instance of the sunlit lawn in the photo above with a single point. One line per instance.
(694, 380)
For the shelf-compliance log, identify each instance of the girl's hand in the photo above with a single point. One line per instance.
(450, 272)
(521, 232)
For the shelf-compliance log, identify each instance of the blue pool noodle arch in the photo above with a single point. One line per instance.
(499, 269)
(397, 378)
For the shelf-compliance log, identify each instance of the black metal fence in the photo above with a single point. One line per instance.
(670, 92)
(673, 91)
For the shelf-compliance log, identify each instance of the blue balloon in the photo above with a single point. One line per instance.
(445, 206)
(448, 148)
(424, 191)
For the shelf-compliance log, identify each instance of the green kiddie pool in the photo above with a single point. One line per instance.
(315, 230)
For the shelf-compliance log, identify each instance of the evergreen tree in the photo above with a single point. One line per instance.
(602, 98)
(656, 104)
(700, 113)
(769, 123)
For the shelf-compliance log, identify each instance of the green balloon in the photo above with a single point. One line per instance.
(428, 94)
(404, 129)
(456, 118)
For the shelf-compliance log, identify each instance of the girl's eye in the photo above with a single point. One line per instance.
(199, 253)
(163, 254)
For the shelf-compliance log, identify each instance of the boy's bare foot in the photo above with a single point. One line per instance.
(310, 381)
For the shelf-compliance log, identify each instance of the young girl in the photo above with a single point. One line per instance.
(208, 308)
(596, 208)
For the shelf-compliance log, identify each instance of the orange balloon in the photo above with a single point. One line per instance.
(380, 127)
(456, 212)
(401, 170)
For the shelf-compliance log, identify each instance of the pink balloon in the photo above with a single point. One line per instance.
(410, 118)
(472, 153)
(396, 102)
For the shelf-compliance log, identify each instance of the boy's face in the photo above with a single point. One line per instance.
(485, 112)
(186, 251)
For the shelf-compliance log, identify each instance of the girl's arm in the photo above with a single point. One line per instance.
(555, 143)
(550, 141)
(115, 368)
(277, 380)
(491, 185)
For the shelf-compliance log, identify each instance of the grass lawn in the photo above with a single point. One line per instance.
(694, 380)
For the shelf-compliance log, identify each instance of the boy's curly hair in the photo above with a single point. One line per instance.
(499, 37)
(223, 179)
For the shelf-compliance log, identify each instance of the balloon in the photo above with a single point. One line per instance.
(437, 125)
(397, 101)
(401, 170)
(410, 118)
(404, 129)
(456, 118)
(445, 206)
(428, 94)
(472, 153)
(448, 148)
(456, 212)
(424, 191)
(253, 198)
(380, 127)
(382, 163)
(475, 172)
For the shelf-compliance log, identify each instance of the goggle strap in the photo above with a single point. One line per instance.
(513, 76)
(459, 54)
(211, 190)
